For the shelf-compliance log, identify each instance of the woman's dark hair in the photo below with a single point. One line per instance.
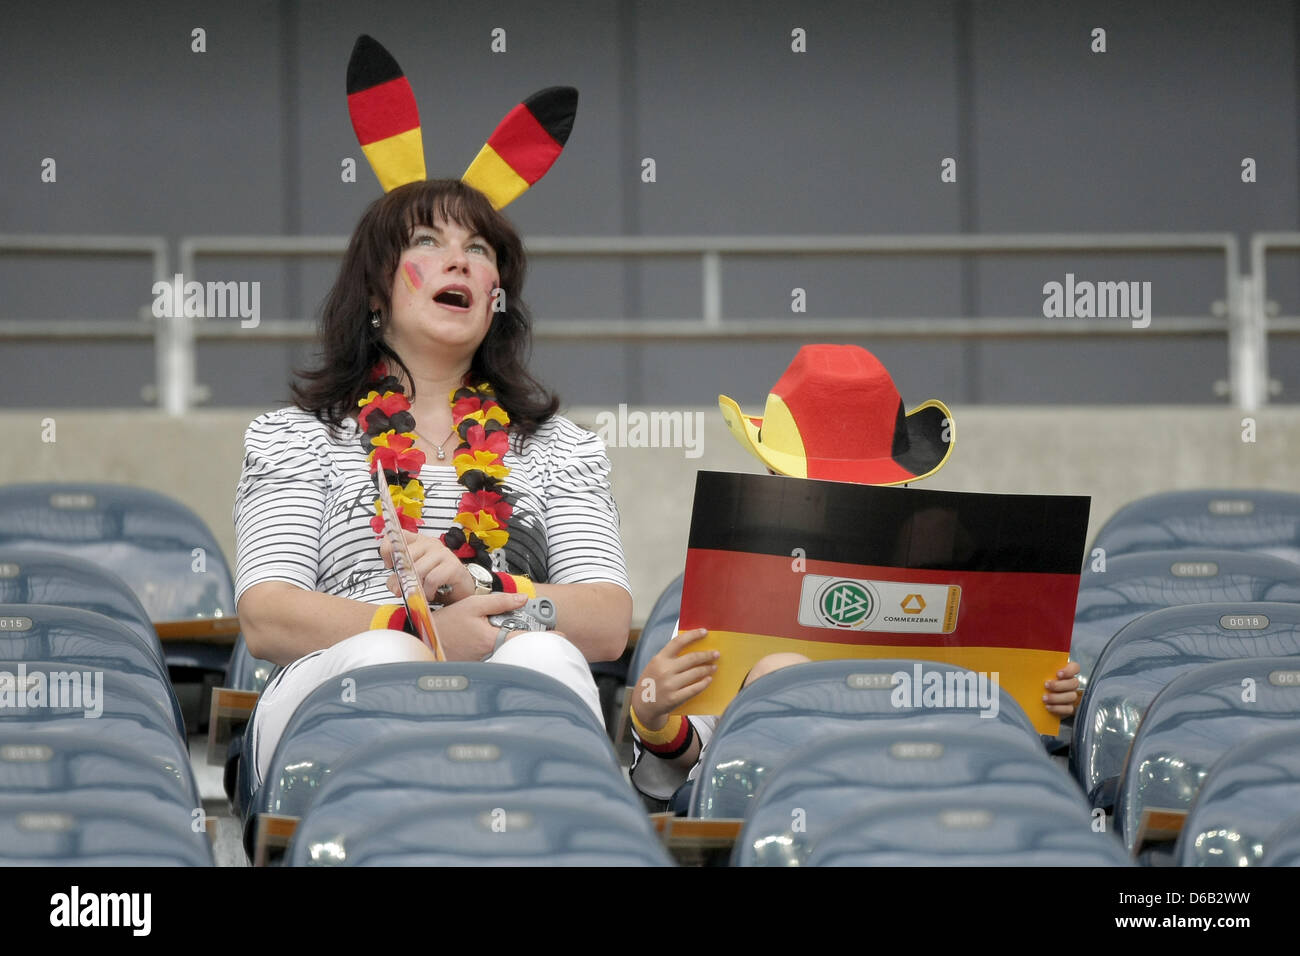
(351, 346)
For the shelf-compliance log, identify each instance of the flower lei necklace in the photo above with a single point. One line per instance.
(388, 437)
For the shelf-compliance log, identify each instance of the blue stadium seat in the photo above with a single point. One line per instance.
(30, 576)
(68, 832)
(246, 672)
(1194, 721)
(797, 706)
(130, 713)
(65, 764)
(1245, 797)
(849, 774)
(410, 768)
(152, 541)
(1262, 522)
(390, 698)
(525, 830)
(952, 830)
(1284, 844)
(1146, 655)
(1135, 584)
(84, 641)
(658, 629)
(51, 632)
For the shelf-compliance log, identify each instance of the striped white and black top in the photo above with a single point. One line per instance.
(305, 498)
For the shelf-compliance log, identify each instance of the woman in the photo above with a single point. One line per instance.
(426, 309)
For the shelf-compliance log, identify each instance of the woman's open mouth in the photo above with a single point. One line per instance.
(455, 297)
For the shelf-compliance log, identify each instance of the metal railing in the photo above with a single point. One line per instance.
(1241, 314)
(1254, 342)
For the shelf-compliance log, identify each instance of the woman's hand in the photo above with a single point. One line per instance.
(435, 566)
(464, 630)
(1063, 695)
(668, 680)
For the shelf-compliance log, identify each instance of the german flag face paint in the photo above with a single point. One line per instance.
(412, 276)
(384, 116)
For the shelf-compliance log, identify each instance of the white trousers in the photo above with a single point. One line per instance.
(542, 651)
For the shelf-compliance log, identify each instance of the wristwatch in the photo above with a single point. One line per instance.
(482, 578)
(537, 614)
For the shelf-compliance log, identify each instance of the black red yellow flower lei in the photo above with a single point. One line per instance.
(388, 437)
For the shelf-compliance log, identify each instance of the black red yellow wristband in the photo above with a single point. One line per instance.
(391, 617)
(673, 740)
(514, 584)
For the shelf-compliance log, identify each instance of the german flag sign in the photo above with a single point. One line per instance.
(837, 570)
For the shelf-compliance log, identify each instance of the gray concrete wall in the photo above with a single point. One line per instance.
(1113, 454)
(749, 138)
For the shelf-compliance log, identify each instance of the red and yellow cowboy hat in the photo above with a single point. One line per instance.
(836, 415)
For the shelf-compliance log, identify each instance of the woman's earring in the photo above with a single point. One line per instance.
(374, 320)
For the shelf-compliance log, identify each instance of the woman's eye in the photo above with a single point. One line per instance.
(480, 247)
(422, 239)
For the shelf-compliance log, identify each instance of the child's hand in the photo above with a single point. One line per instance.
(1063, 695)
(669, 680)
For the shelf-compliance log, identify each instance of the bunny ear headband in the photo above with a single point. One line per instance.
(517, 154)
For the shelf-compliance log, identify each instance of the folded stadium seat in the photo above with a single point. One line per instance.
(1192, 723)
(657, 632)
(1245, 797)
(390, 698)
(85, 642)
(952, 830)
(244, 672)
(1262, 522)
(610, 676)
(29, 576)
(782, 712)
(1135, 584)
(1283, 845)
(849, 774)
(1147, 654)
(410, 768)
(509, 830)
(129, 712)
(161, 548)
(36, 832)
(59, 765)
(658, 629)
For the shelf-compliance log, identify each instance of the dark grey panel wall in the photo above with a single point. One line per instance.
(748, 138)
(1147, 137)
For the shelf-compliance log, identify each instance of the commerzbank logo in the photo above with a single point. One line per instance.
(837, 603)
(843, 603)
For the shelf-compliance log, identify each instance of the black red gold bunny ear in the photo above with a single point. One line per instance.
(523, 147)
(517, 154)
(384, 115)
